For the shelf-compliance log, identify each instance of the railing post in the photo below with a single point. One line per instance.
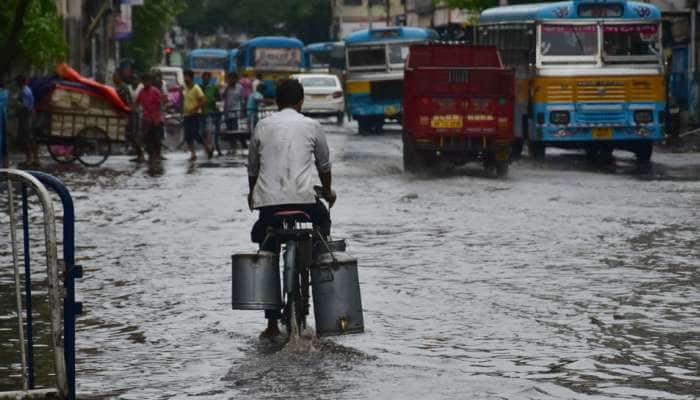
(28, 289)
(18, 291)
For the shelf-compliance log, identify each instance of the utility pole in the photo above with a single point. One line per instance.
(387, 10)
(369, 13)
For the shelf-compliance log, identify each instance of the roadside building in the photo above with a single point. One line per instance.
(680, 36)
(354, 15)
(88, 26)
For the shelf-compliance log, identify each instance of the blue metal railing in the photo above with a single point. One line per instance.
(65, 331)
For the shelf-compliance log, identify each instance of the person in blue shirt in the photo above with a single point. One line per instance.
(252, 106)
(4, 98)
(25, 111)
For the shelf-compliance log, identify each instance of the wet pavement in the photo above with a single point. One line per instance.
(565, 281)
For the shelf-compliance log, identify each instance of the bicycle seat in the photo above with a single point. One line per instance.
(299, 215)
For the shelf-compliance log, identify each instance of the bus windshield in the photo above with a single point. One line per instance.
(398, 53)
(277, 58)
(631, 43)
(569, 40)
(209, 63)
(320, 59)
(363, 57)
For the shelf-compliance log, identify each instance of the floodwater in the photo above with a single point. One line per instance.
(564, 281)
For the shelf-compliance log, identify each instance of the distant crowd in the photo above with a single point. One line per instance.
(196, 108)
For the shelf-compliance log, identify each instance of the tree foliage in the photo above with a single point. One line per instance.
(309, 20)
(150, 23)
(40, 41)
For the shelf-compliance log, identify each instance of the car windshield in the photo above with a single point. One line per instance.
(209, 63)
(367, 57)
(631, 42)
(569, 40)
(318, 81)
(398, 53)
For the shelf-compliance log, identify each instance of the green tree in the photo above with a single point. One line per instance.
(31, 34)
(309, 20)
(150, 23)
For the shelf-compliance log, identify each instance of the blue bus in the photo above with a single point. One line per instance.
(323, 57)
(271, 58)
(218, 62)
(590, 74)
(374, 73)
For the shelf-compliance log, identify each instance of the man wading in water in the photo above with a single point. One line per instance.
(282, 153)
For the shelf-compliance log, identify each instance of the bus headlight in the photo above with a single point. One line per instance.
(559, 117)
(643, 116)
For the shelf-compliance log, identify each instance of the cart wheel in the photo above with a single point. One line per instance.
(93, 146)
(62, 153)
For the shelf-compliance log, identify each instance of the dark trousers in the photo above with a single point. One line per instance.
(192, 129)
(152, 138)
(320, 217)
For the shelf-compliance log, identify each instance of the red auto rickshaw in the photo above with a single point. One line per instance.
(458, 106)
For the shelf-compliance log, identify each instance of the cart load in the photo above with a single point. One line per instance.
(79, 118)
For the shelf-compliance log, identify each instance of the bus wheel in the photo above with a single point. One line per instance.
(377, 125)
(536, 149)
(364, 125)
(411, 157)
(501, 169)
(643, 152)
(517, 148)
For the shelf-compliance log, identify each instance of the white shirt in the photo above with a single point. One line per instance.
(283, 151)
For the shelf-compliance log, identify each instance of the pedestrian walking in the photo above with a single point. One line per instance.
(132, 132)
(151, 100)
(4, 100)
(210, 110)
(25, 112)
(233, 104)
(192, 111)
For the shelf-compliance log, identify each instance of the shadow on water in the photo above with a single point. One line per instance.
(618, 165)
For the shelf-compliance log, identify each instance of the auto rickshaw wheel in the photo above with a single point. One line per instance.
(92, 146)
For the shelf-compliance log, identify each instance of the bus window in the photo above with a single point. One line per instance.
(367, 57)
(209, 63)
(624, 41)
(569, 40)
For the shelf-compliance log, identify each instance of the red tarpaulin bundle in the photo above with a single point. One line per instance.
(69, 74)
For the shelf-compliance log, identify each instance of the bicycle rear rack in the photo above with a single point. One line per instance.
(61, 295)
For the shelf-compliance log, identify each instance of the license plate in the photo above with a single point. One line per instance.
(318, 96)
(390, 110)
(447, 122)
(602, 133)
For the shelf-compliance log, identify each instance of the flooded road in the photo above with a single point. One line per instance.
(564, 281)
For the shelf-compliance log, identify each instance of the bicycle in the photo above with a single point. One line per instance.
(298, 240)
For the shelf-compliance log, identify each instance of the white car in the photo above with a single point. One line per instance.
(323, 96)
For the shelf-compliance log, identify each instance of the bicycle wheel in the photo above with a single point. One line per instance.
(293, 318)
(62, 153)
(93, 146)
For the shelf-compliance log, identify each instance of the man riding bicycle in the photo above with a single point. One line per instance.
(282, 153)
